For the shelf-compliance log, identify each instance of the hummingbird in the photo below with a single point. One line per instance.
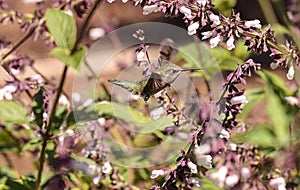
(163, 76)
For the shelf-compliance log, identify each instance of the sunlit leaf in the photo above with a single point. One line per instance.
(13, 112)
(62, 27)
(69, 59)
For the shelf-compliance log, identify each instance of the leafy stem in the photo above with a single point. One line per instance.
(58, 93)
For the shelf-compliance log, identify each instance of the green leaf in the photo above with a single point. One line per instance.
(254, 96)
(206, 184)
(277, 108)
(62, 27)
(260, 135)
(38, 107)
(60, 115)
(69, 59)
(119, 111)
(13, 112)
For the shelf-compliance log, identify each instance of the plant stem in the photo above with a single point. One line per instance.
(59, 91)
(48, 127)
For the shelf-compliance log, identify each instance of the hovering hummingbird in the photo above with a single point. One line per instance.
(163, 76)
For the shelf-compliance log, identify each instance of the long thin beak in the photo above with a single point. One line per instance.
(191, 69)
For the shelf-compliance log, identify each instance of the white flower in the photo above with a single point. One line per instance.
(220, 176)
(156, 113)
(124, 1)
(76, 97)
(291, 73)
(140, 55)
(215, 19)
(245, 172)
(278, 183)
(230, 43)
(193, 167)
(96, 33)
(186, 11)
(149, 9)
(202, 2)
(10, 88)
(38, 78)
(203, 149)
(194, 181)
(206, 35)
(192, 29)
(232, 180)
(96, 179)
(205, 161)
(63, 100)
(253, 23)
(110, 1)
(224, 134)
(213, 42)
(239, 100)
(231, 145)
(156, 173)
(88, 102)
(274, 65)
(31, 1)
(201, 155)
(292, 100)
(106, 168)
(101, 121)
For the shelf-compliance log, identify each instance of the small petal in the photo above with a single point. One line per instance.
(245, 172)
(214, 41)
(239, 100)
(230, 43)
(156, 173)
(201, 150)
(193, 167)
(110, 1)
(149, 9)
(202, 2)
(253, 23)
(292, 100)
(96, 33)
(192, 29)
(278, 183)
(106, 168)
(291, 73)
(232, 180)
(140, 55)
(156, 113)
(274, 65)
(205, 161)
(224, 134)
(215, 19)
(186, 11)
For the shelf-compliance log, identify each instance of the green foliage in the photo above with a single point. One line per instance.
(70, 58)
(278, 110)
(38, 107)
(62, 27)
(13, 112)
(254, 96)
(119, 111)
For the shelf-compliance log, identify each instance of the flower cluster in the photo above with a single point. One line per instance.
(227, 30)
(231, 104)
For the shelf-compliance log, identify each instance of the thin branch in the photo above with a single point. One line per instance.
(59, 91)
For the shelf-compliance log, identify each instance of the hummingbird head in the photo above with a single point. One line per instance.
(170, 72)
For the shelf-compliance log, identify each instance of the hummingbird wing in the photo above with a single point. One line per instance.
(153, 85)
(166, 51)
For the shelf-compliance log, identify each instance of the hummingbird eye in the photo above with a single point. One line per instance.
(174, 71)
